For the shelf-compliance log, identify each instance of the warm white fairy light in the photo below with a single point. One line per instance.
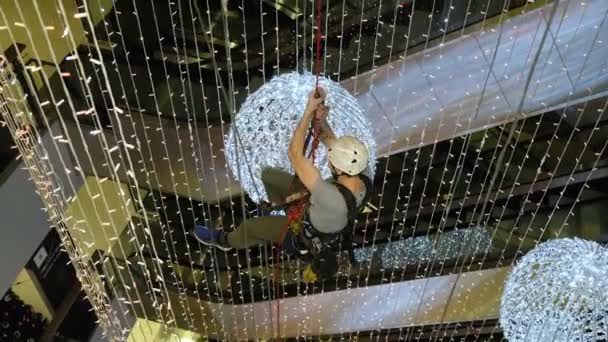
(42, 168)
(231, 104)
(557, 292)
(190, 112)
(46, 181)
(457, 250)
(265, 286)
(112, 165)
(554, 172)
(100, 135)
(538, 173)
(432, 155)
(568, 215)
(407, 197)
(515, 182)
(205, 28)
(161, 205)
(268, 117)
(457, 174)
(358, 55)
(149, 284)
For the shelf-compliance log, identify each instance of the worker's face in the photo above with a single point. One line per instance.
(333, 170)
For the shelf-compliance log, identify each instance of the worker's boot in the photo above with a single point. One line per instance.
(211, 237)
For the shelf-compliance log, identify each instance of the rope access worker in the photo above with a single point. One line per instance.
(330, 206)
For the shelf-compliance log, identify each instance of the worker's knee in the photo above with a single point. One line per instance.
(275, 172)
(239, 239)
(267, 174)
(236, 241)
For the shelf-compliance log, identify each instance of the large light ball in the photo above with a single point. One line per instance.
(268, 117)
(558, 292)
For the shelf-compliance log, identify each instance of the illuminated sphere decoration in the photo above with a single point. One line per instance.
(268, 117)
(558, 292)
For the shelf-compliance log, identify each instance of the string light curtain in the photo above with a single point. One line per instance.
(144, 95)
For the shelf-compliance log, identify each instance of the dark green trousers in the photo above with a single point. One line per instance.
(266, 228)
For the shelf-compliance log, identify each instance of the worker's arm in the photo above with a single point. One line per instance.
(326, 133)
(304, 168)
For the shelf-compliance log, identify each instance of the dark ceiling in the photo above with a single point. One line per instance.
(176, 39)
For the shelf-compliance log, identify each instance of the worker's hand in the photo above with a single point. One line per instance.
(315, 98)
(295, 197)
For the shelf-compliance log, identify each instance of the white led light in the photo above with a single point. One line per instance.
(557, 292)
(268, 117)
(421, 249)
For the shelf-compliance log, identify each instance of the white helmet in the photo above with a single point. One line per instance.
(349, 155)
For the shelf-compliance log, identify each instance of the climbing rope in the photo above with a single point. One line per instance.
(296, 210)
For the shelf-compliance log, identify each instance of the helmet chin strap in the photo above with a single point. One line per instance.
(335, 173)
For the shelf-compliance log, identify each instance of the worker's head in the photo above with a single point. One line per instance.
(348, 156)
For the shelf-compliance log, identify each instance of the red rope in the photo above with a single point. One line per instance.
(318, 54)
(296, 211)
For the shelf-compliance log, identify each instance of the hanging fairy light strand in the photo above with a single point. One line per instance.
(176, 125)
(385, 174)
(405, 157)
(431, 161)
(554, 136)
(144, 217)
(466, 144)
(208, 34)
(178, 280)
(209, 42)
(552, 175)
(576, 200)
(499, 187)
(66, 16)
(229, 105)
(245, 52)
(195, 140)
(81, 76)
(44, 77)
(162, 205)
(27, 140)
(262, 252)
(90, 281)
(149, 287)
(338, 73)
(232, 109)
(432, 153)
